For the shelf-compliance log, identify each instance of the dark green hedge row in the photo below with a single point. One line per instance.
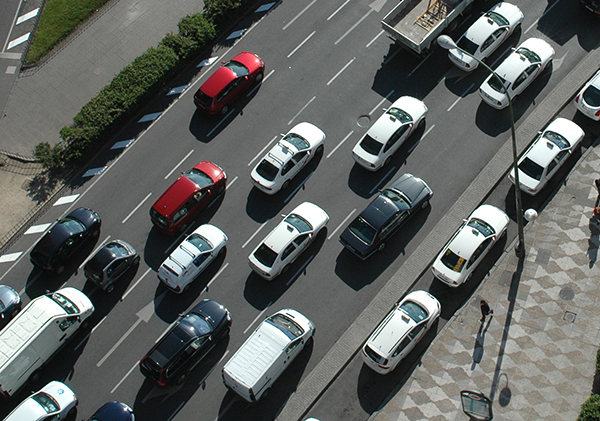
(137, 83)
(590, 410)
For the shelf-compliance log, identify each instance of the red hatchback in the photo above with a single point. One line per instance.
(193, 191)
(228, 82)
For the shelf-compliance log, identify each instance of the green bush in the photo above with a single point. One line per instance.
(197, 28)
(220, 11)
(184, 47)
(590, 410)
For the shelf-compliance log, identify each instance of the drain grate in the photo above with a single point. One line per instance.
(569, 316)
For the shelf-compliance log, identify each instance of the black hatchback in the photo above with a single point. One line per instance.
(67, 235)
(185, 344)
(109, 263)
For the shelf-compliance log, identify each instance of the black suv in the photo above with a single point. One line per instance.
(184, 345)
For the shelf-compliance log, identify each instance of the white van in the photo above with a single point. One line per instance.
(251, 371)
(37, 333)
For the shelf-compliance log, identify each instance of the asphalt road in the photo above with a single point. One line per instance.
(327, 63)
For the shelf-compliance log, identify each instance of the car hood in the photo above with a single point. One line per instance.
(86, 216)
(211, 309)
(412, 187)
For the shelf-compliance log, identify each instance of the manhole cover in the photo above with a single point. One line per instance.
(566, 293)
(363, 120)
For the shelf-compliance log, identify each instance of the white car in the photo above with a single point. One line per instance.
(377, 146)
(191, 257)
(517, 72)
(486, 35)
(284, 244)
(469, 245)
(588, 99)
(400, 331)
(55, 401)
(546, 154)
(295, 149)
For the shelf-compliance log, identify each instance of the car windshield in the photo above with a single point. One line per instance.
(198, 177)
(398, 198)
(265, 255)
(197, 322)
(64, 302)
(496, 85)
(238, 68)
(298, 141)
(414, 311)
(267, 170)
(401, 115)
(47, 402)
(557, 139)
(117, 249)
(298, 222)
(467, 45)
(286, 325)
(361, 228)
(531, 168)
(371, 145)
(592, 96)
(481, 226)
(498, 18)
(199, 242)
(72, 225)
(453, 261)
(529, 55)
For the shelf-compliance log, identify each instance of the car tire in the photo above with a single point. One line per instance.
(136, 261)
(187, 287)
(181, 379)
(60, 270)
(221, 251)
(285, 268)
(285, 184)
(110, 288)
(319, 150)
(34, 378)
(225, 333)
(425, 204)
(225, 109)
(421, 125)
(71, 413)
(387, 161)
(381, 246)
(259, 77)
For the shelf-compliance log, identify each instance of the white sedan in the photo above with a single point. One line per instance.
(486, 35)
(191, 257)
(295, 149)
(469, 245)
(55, 401)
(517, 72)
(588, 99)
(400, 331)
(284, 244)
(547, 153)
(376, 148)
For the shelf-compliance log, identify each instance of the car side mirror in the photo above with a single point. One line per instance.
(2, 316)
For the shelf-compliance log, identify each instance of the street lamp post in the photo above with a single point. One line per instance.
(448, 43)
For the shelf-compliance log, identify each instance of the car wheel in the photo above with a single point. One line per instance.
(184, 227)
(225, 109)
(285, 269)
(387, 161)
(381, 246)
(285, 184)
(425, 204)
(224, 334)
(136, 261)
(186, 288)
(421, 124)
(59, 270)
(35, 377)
(222, 250)
(110, 288)
(71, 413)
(259, 77)
(319, 150)
(96, 233)
(181, 379)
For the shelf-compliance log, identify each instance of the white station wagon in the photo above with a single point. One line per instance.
(55, 401)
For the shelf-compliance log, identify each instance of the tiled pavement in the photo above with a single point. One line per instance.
(535, 358)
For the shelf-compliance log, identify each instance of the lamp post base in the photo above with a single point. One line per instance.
(520, 250)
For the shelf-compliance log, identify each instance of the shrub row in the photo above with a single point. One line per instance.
(133, 86)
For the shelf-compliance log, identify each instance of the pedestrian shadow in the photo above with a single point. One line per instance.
(593, 241)
(478, 349)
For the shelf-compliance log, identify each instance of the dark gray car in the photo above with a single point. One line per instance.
(10, 304)
(395, 205)
(110, 263)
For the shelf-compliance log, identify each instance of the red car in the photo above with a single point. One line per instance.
(193, 191)
(228, 82)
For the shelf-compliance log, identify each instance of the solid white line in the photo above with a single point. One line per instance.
(302, 109)
(230, 183)
(255, 232)
(301, 44)
(354, 26)
(382, 180)
(427, 132)
(125, 376)
(298, 15)
(300, 270)
(381, 102)
(341, 223)
(262, 150)
(136, 208)
(419, 65)
(12, 26)
(259, 84)
(175, 243)
(159, 337)
(257, 317)
(94, 252)
(375, 39)
(134, 285)
(340, 72)
(340, 144)
(120, 341)
(461, 97)
(176, 411)
(216, 274)
(221, 122)
(90, 332)
(338, 9)
(178, 164)
(538, 19)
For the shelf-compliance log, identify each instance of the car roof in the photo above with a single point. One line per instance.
(172, 343)
(176, 195)
(218, 81)
(379, 211)
(281, 236)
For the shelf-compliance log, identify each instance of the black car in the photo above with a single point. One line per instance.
(113, 411)
(592, 6)
(10, 304)
(184, 345)
(385, 214)
(67, 235)
(110, 263)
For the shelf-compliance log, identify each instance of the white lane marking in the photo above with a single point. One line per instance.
(94, 252)
(262, 150)
(427, 132)
(216, 274)
(27, 16)
(341, 224)
(66, 200)
(176, 411)
(255, 232)
(340, 144)
(175, 243)
(338, 9)
(353, 27)
(125, 376)
(10, 70)
(136, 208)
(375, 39)
(419, 65)
(220, 122)
(297, 188)
(340, 72)
(258, 85)
(11, 257)
(28, 284)
(381, 102)
(298, 15)
(177, 90)
(300, 270)
(236, 34)
(207, 62)
(84, 340)
(538, 19)
(382, 180)
(229, 184)
(136, 284)
(94, 171)
(178, 164)
(301, 44)
(461, 96)
(265, 7)
(37, 229)
(18, 41)
(123, 144)
(302, 109)
(257, 317)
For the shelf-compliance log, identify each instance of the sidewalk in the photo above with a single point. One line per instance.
(536, 357)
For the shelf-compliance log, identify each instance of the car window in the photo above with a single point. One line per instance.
(520, 79)
(67, 323)
(500, 32)
(288, 250)
(189, 205)
(291, 329)
(115, 267)
(556, 138)
(416, 331)
(592, 96)
(370, 145)
(562, 155)
(47, 402)
(301, 239)
(403, 344)
(363, 230)
(399, 199)
(396, 136)
(200, 259)
(414, 311)
(301, 224)
(288, 166)
(532, 169)
(267, 170)
(179, 361)
(495, 83)
(72, 225)
(529, 55)
(453, 261)
(481, 226)
(551, 166)
(401, 115)
(489, 41)
(265, 255)
(299, 156)
(497, 18)
(466, 44)
(199, 178)
(393, 222)
(478, 251)
(298, 141)
(238, 68)
(199, 242)
(292, 346)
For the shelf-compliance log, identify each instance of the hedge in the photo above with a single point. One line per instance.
(133, 86)
(590, 410)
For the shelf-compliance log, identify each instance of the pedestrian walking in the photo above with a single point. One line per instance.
(597, 182)
(485, 309)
